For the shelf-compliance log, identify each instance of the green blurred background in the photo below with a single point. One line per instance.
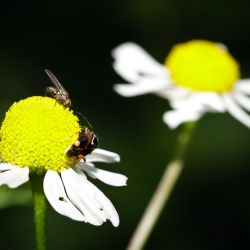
(210, 206)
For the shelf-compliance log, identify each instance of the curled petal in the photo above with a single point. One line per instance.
(101, 155)
(13, 176)
(57, 197)
(110, 178)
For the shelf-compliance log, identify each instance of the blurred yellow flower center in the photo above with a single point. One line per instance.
(202, 66)
(36, 132)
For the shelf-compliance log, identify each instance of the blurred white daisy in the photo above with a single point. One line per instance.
(197, 77)
(34, 136)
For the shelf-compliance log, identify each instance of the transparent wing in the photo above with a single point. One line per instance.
(55, 81)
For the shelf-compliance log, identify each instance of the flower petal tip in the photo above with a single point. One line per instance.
(124, 90)
(101, 155)
(13, 176)
(124, 48)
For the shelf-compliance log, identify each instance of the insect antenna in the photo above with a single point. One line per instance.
(86, 121)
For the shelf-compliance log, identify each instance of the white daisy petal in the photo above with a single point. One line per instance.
(199, 101)
(189, 102)
(145, 86)
(132, 62)
(6, 166)
(55, 193)
(101, 155)
(106, 206)
(110, 178)
(174, 118)
(243, 86)
(80, 192)
(212, 101)
(243, 100)
(235, 110)
(174, 92)
(13, 176)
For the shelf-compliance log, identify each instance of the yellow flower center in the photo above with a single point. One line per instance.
(202, 66)
(36, 132)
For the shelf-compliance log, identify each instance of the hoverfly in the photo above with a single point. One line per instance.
(86, 143)
(57, 91)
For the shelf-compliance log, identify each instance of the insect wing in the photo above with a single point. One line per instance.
(55, 81)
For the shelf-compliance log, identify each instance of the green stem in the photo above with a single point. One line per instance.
(39, 202)
(163, 191)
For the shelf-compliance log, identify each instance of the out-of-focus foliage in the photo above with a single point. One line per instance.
(15, 197)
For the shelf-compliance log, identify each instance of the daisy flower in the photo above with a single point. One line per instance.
(197, 77)
(35, 135)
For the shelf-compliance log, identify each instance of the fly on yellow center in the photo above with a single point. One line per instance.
(202, 66)
(36, 132)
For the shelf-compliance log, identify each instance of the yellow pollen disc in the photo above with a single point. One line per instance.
(36, 133)
(202, 66)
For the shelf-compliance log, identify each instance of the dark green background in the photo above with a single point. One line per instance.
(210, 207)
